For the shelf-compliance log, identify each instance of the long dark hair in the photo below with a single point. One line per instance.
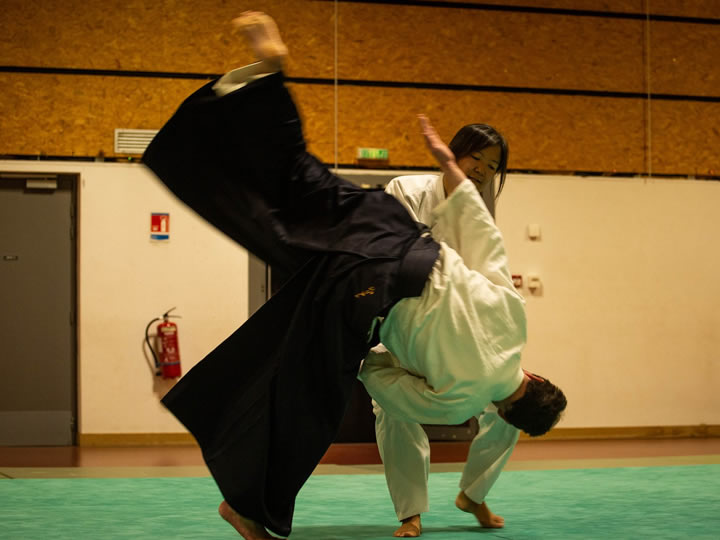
(475, 137)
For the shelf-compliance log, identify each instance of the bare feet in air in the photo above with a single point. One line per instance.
(410, 528)
(264, 37)
(481, 512)
(442, 154)
(247, 528)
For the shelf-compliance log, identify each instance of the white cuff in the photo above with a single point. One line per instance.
(238, 78)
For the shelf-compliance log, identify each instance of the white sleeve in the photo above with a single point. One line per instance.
(489, 452)
(407, 396)
(395, 188)
(240, 77)
(465, 224)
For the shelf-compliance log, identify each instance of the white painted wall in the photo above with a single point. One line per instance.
(125, 280)
(628, 321)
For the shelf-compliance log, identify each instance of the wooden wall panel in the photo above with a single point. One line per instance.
(68, 115)
(544, 132)
(684, 58)
(618, 6)
(686, 8)
(683, 8)
(316, 104)
(685, 138)
(408, 43)
(77, 115)
(176, 36)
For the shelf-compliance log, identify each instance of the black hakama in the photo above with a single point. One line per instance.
(266, 404)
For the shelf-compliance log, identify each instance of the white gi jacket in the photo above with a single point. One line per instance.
(435, 396)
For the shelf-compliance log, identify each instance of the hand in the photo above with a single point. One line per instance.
(437, 147)
(442, 154)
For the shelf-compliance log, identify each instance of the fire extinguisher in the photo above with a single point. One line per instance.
(167, 358)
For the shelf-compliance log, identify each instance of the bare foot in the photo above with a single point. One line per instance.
(481, 512)
(410, 528)
(264, 37)
(247, 528)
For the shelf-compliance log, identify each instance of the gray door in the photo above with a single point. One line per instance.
(37, 311)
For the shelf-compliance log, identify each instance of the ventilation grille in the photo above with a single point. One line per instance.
(133, 141)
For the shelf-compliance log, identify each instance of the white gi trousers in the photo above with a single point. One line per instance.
(405, 452)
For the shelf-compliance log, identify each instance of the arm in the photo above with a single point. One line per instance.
(407, 396)
(465, 224)
(442, 154)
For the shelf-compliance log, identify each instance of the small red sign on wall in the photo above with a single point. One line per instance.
(159, 226)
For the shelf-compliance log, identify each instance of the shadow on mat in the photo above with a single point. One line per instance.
(382, 532)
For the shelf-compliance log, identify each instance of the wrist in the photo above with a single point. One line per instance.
(452, 176)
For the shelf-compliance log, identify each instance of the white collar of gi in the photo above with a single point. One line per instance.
(440, 188)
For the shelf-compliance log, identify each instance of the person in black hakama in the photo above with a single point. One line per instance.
(266, 404)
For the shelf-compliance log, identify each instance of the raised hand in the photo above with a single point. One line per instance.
(442, 154)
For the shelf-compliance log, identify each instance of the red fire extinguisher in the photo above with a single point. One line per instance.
(167, 358)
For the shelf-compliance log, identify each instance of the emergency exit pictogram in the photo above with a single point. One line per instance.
(159, 226)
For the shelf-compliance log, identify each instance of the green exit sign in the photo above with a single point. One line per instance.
(372, 153)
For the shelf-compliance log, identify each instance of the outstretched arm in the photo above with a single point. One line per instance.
(442, 154)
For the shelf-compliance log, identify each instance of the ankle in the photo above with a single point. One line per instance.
(465, 503)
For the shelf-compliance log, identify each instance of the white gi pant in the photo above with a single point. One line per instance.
(405, 452)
